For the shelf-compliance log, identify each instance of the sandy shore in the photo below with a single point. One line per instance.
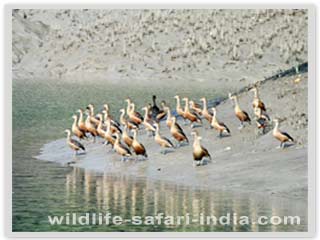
(226, 48)
(244, 162)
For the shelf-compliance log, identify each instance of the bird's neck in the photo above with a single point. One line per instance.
(80, 117)
(178, 102)
(169, 113)
(204, 104)
(186, 107)
(74, 122)
(276, 127)
(154, 101)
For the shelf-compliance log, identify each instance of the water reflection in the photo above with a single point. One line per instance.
(126, 197)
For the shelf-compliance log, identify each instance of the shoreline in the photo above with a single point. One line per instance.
(244, 162)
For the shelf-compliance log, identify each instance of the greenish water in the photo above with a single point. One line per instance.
(41, 112)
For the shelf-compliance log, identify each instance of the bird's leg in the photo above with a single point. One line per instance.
(178, 144)
(192, 125)
(194, 164)
(241, 125)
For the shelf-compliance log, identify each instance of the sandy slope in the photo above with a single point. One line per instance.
(244, 162)
(227, 48)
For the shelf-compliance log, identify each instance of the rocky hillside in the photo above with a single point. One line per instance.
(222, 47)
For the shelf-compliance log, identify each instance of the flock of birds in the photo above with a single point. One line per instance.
(116, 133)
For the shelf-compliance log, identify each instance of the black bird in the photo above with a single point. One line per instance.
(154, 109)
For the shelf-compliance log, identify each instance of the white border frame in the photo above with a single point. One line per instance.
(311, 124)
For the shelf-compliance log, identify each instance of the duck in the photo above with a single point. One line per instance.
(91, 127)
(195, 107)
(100, 131)
(162, 141)
(74, 144)
(130, 124)
(219, 126)
(138, 147)
(107, 112)
(121, 149)
(177, 132)
(262, 119)
(241, 115)
(169, 118)
(147, 122)
(257, 103)
(126, 137)
(76, 130)
(133, 115)
(110, 139)
(93, 118)
(154, 109)
(191, 116)
(114, 127)
(283, 137)
(199, 152)
(205, 113)
(162, 113)
(81, 123)
(179, 109)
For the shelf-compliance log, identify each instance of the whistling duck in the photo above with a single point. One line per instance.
(76, 130)
(241, 115)
(162, 141)
(90, 127)
(256, 100)
(133, 115)
(169, 118)
(110, 139)
(100, 131)
(114, 128)
(283, 137)
(207, 115)
(126, 137)
(154, 109)
(162, 113)
(219, 126)
(262, 119)
(191, 116)
(138, 148)
(177, 132)
(179, 109)
(107, 110)
(73, 144)
(124, 121)
(93, 119)
(195, 107)
(121, 149)
(199, 152)
(148, 123)
(81, 123)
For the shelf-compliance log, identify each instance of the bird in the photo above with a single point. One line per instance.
(148, 123)
(177, 132)
(199, 152)
(154, 109)
(241, 115)
(169, 118)
(107, 112)
(137, 147)
(81, 123)
(74, 144)
(191, 116)
(91, 127)
(114, 127)
(205, 113)
(179, 109)
(126, 137)
(121, 149)
(133, 115)
(219, 126)
(256, 100)
(195, 107)
(162, 113)
(124, 121)
(76, 130)
(283, 137)
(262, 120)
(162, 141)
(93, 119)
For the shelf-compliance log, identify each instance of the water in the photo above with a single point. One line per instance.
(41, 111)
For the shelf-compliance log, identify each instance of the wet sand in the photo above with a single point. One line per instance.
(244, 162)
